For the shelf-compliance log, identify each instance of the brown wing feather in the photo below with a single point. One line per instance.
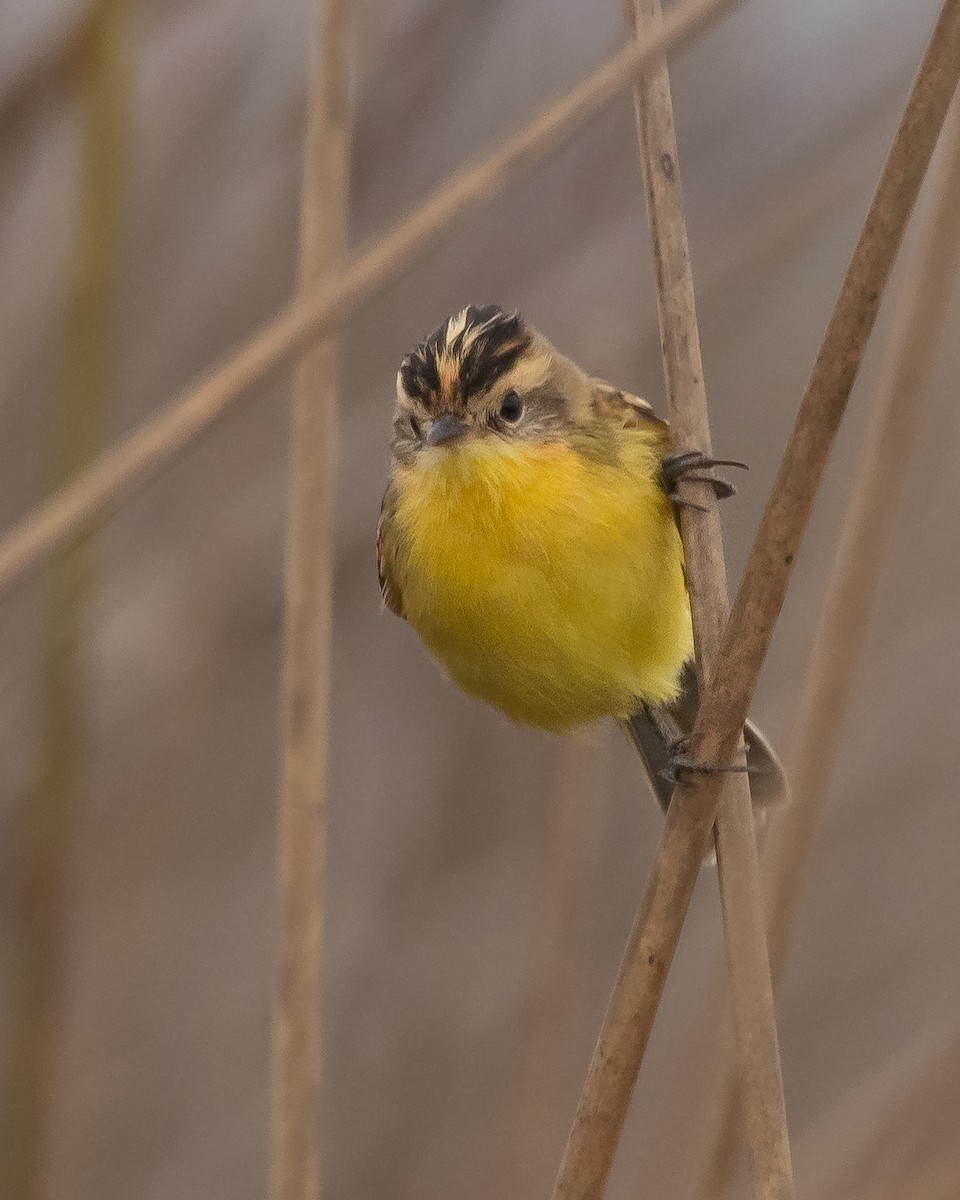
(609, 403)
(386, 551)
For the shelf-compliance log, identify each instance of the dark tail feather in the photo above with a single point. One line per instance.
(655, 731)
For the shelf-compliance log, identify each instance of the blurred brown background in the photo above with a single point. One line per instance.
(451, 1066)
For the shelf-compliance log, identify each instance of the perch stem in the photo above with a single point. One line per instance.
(718, 729)
(739, 874)
(838, 644)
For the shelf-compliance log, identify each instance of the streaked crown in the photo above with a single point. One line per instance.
(463, 358)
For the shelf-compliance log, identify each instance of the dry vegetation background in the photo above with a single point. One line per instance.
(465, 978)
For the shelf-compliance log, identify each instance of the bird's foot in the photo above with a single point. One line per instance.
(688, 466)
(679, 762)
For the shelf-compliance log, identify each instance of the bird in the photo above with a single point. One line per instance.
(529, 535)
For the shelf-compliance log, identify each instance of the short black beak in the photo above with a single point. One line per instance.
(445, 429)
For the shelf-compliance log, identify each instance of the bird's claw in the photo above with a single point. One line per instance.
(687, 467)
(680, 762)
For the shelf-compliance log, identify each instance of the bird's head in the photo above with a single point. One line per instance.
(484, 378)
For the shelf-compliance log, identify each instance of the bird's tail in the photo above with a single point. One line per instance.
(655, 733)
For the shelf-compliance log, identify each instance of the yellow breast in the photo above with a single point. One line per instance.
(547, 583)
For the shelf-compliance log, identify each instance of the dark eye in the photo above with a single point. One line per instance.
(414, 425)
(511, 409)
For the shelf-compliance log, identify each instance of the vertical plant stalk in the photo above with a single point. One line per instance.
(723, 709)
(755, 1021)
(79, 421)
(305, 701)
(838, 644)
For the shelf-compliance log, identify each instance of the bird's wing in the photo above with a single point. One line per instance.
(631, 412)
(387, 544)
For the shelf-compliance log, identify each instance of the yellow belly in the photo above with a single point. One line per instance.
(549, 585)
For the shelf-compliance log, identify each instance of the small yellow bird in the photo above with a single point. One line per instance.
(528, 534)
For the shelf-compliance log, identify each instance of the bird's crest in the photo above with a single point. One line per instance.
(463, 357)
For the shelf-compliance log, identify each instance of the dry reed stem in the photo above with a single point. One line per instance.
(305, 701)
(686, 834)
(139, 457)
(739, 874)
(79, 419)
(839, 640)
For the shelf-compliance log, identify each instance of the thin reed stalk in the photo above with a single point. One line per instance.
(134, 461)
(79, 422)
(308, 593)
(838, 643)
(755, 1022)
(686, 834)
